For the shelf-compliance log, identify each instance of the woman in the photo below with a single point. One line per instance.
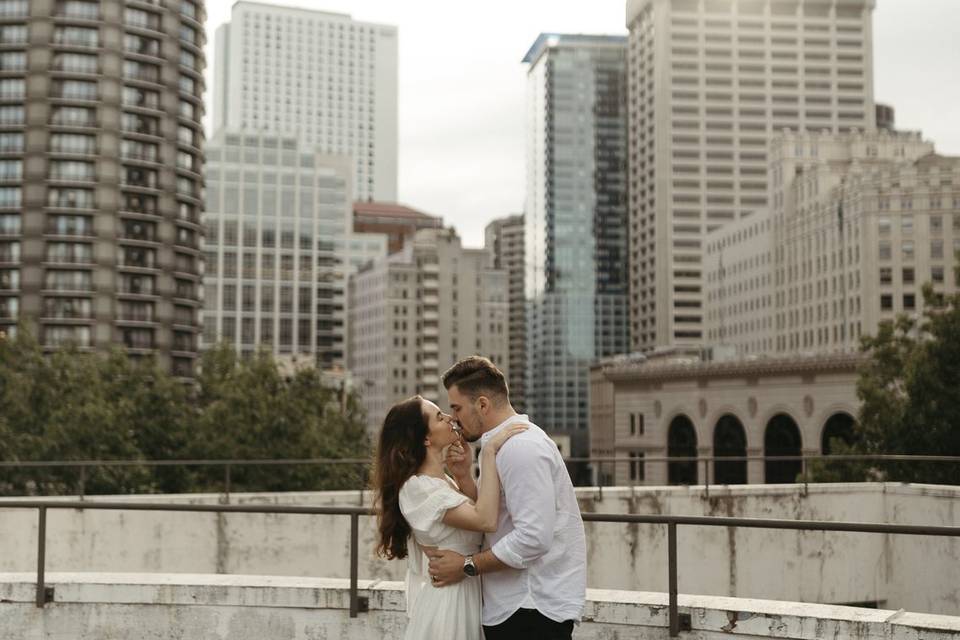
(419, 505)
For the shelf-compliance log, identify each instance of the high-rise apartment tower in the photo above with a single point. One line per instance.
(710, 82)
(101, 149)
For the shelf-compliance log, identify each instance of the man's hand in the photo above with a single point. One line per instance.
(459, 460)
(446, 567)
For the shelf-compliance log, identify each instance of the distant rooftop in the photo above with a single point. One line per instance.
(546, 40)
(390, 209)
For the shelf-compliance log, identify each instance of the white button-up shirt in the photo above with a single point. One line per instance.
(539, 532)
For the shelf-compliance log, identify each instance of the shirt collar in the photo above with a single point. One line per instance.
(520, 417)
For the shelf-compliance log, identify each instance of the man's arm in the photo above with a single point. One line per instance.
(525, 473)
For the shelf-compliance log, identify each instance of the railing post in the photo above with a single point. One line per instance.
(83, 481)
(354, 563)
(672, 570)
(41, 557)
(226, 482)
(706, 475)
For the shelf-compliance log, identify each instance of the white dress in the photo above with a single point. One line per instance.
(452, 612)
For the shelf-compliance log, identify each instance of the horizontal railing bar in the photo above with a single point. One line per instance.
(760, 523)
(207, 508)
(715, 521)
(363, 461)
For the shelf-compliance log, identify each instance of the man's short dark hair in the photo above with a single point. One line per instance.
(477, 376)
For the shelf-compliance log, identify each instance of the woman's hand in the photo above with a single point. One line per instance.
(498, 440)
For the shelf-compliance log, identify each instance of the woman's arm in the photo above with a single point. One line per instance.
(483, 515)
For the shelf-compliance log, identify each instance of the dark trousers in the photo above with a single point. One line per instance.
(529, 624)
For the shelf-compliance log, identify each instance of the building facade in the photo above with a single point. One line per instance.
(416, 312)
(677, 405)
(398, 222)
(504, 240)
(323, 77)
(710, 83)
(575, 223)
(858, 224)
(278, 233)
(101, 150)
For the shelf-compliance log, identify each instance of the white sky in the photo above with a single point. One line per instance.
(462, 86)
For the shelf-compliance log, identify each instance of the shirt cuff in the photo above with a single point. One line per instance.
(505, 555)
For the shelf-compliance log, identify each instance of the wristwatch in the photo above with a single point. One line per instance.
(469, 568)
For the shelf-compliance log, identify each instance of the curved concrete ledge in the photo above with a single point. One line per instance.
(90, 606)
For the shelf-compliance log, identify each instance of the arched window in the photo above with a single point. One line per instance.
(682, 442)
(782, 438)
(839, 426)
(729, 439)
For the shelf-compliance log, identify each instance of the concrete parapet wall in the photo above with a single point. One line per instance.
(92, 606)
(916, 573)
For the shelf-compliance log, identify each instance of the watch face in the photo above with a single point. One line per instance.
(469, 568)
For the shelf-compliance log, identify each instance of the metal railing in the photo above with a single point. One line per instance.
(709, 463)
(677, 622)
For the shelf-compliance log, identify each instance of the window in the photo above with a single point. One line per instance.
(11, 169)
(936, 224)
(78, 9)
(63, 225)
(906, 223)
(908, 275)
(936, 275)
(141, 44)
(909, 301)
(11, 142)
(74, 116)
(69, 252)
(77, 36)
(907, 248)
(637, 471)
(10, 224)
(12, 88)
(141, 98)
(73, 143)
(936, 249)
(10, 197)
(141, 19)
(68, 280)
(886, 275)
(883, 225)
(75, 62)
(62, 336)
(886, 302)
(71, 170)
(67, 308)
(13, 34)
(13, 61)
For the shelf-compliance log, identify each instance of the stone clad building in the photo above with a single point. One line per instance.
(675, 404)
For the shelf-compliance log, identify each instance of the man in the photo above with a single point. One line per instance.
(534, 566)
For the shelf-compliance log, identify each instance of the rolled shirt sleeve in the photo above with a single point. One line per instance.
(526, 476)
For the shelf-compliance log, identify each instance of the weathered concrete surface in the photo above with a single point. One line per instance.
(94, 606)
(910, 572)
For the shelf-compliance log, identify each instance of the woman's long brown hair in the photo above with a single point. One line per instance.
(400, 452)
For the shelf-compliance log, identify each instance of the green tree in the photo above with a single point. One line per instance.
(910, 394)
(251, 411)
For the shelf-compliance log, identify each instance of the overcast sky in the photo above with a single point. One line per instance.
(462, 86)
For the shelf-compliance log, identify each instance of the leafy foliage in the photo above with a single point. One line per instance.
(72, 405)
(910, 394)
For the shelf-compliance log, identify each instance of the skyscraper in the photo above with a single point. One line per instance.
(710, 82)
(575, 223)
(278, 225)
(328, 79)
(100, 156)
(504, 240)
